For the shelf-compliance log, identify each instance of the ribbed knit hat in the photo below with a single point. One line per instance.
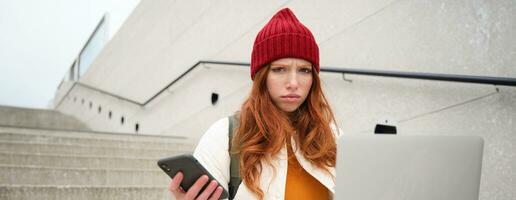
(283, 36)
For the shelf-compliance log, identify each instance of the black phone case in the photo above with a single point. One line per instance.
(191, 169)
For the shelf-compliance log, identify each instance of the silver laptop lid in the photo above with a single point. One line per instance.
(399, 167)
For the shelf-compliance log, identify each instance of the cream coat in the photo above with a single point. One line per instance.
(212, 153)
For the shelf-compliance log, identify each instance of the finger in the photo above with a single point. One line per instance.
(196, 187)
(207, 192)
(216, 195)
(175, 183)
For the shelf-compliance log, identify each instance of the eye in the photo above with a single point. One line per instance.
(306, 70)
(278, 69)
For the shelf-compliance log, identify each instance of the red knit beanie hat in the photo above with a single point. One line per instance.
(284, 36)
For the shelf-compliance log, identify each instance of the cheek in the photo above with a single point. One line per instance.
(272, 87)
(307, 86)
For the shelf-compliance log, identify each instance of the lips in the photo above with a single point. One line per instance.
(290, 97)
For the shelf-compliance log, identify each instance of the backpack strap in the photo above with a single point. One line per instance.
(234, 169)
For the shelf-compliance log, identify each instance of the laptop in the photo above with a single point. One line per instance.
(396, 167)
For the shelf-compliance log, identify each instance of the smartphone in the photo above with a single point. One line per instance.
(191, 169)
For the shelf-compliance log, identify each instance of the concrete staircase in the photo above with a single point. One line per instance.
(41, 163)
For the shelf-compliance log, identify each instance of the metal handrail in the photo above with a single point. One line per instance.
(411, 75)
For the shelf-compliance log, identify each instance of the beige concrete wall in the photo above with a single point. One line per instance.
(100, 120)
(168, 37)
(162, 39)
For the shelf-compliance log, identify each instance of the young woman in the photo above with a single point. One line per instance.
(286, 130)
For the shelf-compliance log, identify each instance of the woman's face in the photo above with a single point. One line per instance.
(289, 81)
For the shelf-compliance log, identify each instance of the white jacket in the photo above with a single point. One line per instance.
(212, 153)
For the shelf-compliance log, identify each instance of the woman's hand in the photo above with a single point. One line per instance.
(212, 192)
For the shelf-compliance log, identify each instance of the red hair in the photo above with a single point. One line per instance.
(264, 129)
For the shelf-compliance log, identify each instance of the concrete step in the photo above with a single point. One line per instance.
(52, 192)
(38, 118)
(71, 139)
(78, 161)
(33, 175)
(44, 148)
(95, 135)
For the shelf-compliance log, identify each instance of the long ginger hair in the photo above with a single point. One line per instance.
(264, 129)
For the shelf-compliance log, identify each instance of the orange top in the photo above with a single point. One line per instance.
(300, 184)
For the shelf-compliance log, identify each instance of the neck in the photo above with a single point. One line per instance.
(292, 116)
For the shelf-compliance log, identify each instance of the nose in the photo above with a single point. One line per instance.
(293, 81)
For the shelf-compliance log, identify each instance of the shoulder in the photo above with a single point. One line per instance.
(219, 127)
(217, 134)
